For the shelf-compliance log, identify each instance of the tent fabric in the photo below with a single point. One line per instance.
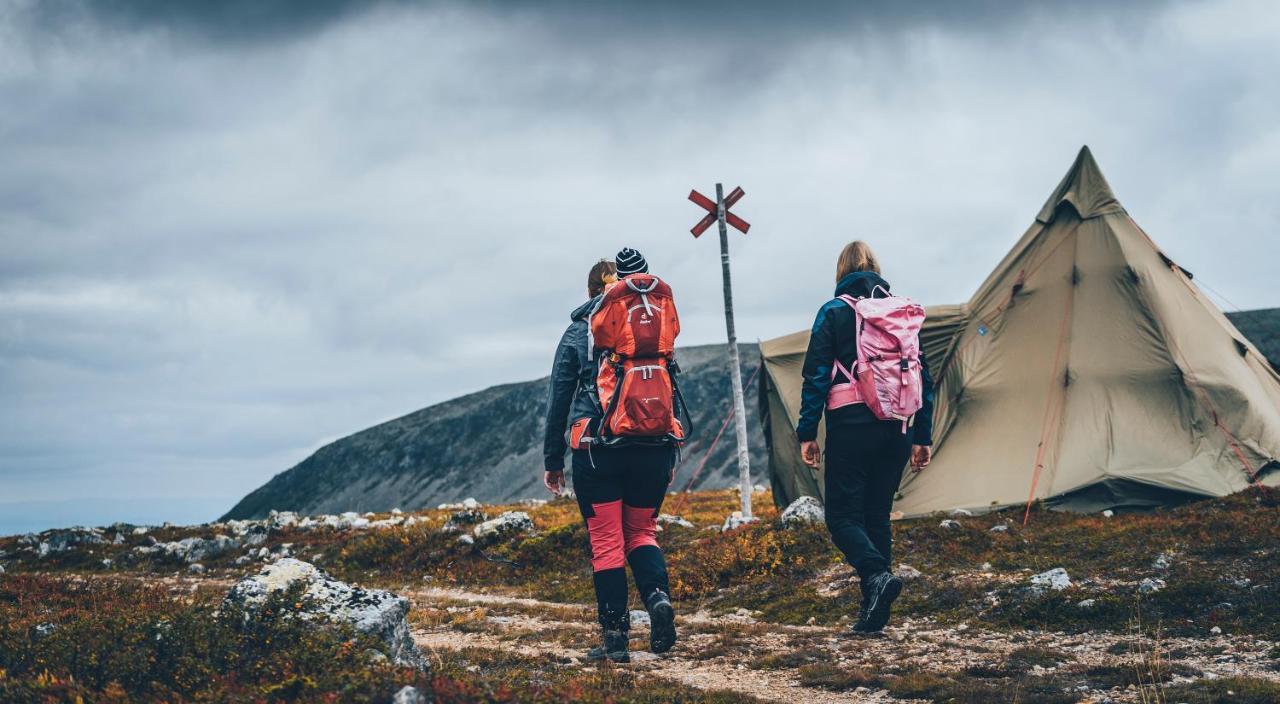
(1086, 362)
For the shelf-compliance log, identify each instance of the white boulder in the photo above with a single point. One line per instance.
(1150, 586)
(907, 573)
(1000, 528)
(508, 524)
(949, 524)
(373, 611)
(409, 695)
(737, 520)
(806, 510)
(673, 520)
(1056, 579)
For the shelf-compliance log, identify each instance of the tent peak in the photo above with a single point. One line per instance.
(1085, 188)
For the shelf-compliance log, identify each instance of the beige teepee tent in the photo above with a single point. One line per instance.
(1088, 371)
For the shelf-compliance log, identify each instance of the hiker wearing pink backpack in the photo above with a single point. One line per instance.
(865, 369)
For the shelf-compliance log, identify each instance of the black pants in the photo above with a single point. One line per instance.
(864, 468)
(620, 492)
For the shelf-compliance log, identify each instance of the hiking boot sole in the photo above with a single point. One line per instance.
(878, 614)
(662, 628)
(622, 657)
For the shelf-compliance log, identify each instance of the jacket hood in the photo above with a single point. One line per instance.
(581, 312)
(860, 284)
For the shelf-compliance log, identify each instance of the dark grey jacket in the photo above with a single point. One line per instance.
(573, 393)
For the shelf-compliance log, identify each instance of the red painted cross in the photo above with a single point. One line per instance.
(710, 206)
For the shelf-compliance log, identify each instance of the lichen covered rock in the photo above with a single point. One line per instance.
(373, 611)
(508, 524)
(806, 510)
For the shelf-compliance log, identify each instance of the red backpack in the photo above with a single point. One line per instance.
(635, 327)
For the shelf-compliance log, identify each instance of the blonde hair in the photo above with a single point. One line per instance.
(856, 256)
(601, 274)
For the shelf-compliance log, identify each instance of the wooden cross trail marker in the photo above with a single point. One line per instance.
(718, 211)
(710, 206)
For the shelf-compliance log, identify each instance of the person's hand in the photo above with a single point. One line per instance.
(554, 481)
(810, 453)
(920, 456)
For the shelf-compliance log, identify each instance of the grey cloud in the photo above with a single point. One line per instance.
(218, 254)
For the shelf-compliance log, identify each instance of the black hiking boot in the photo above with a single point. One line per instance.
(880, 590)
(613, 646)
(861, 626)
(662, 622)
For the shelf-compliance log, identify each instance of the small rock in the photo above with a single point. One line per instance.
(508, 524)
(949, 524)
(960, 513)
(674, 520)
(470, 503)
(195, 568)
(1056, 579)
(140, 530)
(396, 512)
(986, 567)
(642, 656)
(1086, 604)
(466, 539)
(1000, 528)
(1108, 513)
(408, 695)
(1217, 631)
(806, 510)
(44, 630)
(1150, 586)
(736, 520)
(907, 573)
(1164, 560)
(639, 617)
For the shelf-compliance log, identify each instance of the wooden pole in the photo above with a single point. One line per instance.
(735, 370)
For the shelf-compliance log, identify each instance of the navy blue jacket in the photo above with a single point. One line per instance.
(573, 393)
(834, 336)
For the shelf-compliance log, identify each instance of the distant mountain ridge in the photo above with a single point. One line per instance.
(489, 444)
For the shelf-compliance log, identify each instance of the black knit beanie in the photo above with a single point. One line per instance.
(629, 261)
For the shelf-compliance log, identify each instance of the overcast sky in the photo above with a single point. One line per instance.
(232, 232)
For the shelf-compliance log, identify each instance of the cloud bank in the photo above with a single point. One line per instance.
(232, 232)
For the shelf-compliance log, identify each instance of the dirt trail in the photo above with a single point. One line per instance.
(769, 685)
(715, 652)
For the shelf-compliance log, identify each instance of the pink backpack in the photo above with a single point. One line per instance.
(886, 375)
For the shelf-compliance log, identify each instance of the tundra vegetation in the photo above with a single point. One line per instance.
(1170, 605)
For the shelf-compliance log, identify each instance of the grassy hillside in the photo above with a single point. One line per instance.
(1175, 605)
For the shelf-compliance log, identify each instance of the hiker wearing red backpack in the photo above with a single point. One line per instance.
(613, 383)
(864, 368)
